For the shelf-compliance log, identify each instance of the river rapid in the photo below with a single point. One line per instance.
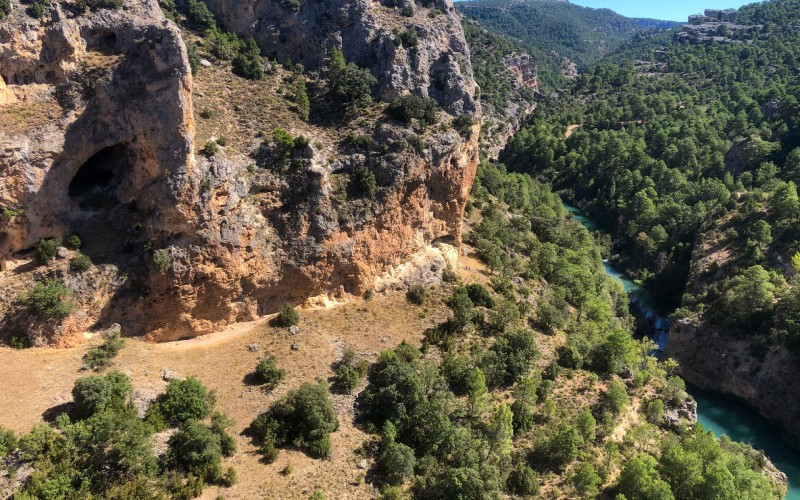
(717, 413)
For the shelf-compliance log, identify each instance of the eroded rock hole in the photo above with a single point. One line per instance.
(108, 220)
(96, 184)
(102, 41)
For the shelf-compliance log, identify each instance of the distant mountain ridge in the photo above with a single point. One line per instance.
(580, 34)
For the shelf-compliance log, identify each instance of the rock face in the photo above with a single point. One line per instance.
(712, 360)
(97, 139)
(499, 125)
(365, 31)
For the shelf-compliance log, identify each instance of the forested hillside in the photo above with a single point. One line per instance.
(548, 29)
(690, 157)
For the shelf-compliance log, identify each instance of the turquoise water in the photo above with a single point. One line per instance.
(717, 414)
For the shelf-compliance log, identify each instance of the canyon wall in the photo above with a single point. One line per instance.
(97, 138)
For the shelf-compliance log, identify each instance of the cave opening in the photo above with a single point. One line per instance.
(108, 219)
(96, 184)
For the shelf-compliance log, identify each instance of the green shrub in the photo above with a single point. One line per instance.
(407, 11)
(301, 98)
(80, 263)
(303, 418)
(95, 5)
(222, 424)
(350, 371)
(100, 357)
(396, 461)
(222, 141)
(585, 480)
(287, 316)
(247, 62)
(206, 114)
(349, 86)
(479, 295)
(347, 378)
(47, 250)
(222, 45)
(8, 442)
(162, 260)
(463, 123)
(268, 372)
(510, 357)
(37, 9)
(301, 142)
(196, 449)
(230, 477)
(363, 182)
(417, 294)
(73, 242)
(284, 142)
(412, 106)
(291, 5)
(51, 300)
(95, 394)
(407, 38)
(655, 411)
(210, 149)
(185, 400)
(558, 450)
(362, 142)
(463, 309)
(5, 8)
(449, 276)
(523, 481)
(616, 398)
(199, 16)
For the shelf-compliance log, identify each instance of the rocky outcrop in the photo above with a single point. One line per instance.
(713, 360)
(683, 414)
(499, 125)
(103, 147)
(365, 30)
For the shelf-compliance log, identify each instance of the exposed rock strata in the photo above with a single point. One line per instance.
(111, 96)
(714, 361)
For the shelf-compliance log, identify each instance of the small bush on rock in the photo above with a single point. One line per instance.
(80, 263)
(417, 294)
(47, 250)
(51, 300)
(73, 242)
(412, 106)
(162, 260)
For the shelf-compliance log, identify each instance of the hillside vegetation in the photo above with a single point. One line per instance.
(551, 31)
(691, 158)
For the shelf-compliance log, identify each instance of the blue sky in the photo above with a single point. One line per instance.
(673, 10)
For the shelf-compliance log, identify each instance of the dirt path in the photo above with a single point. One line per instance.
(570, 130)
(37, 382)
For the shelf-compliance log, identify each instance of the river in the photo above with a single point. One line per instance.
(717, 413)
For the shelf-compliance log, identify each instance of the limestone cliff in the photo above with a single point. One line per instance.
(716, 359)
(98, 139)
(712, 360)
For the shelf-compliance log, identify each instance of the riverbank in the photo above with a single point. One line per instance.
(716, 413)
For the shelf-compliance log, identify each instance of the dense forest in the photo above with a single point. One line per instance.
(692, 147)
(551, 31)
